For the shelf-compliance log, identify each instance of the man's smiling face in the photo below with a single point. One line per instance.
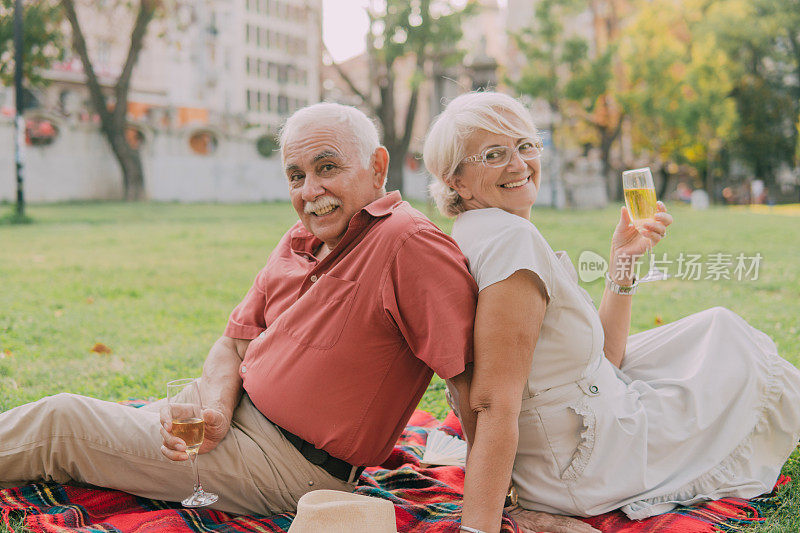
(327, 181)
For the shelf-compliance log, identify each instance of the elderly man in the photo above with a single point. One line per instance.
(321, 364)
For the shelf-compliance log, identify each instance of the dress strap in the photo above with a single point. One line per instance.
(592, 384)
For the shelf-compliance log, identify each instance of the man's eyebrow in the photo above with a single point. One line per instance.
(326, 154)
(291, 167)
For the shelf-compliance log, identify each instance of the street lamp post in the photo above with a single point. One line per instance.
(19, 123)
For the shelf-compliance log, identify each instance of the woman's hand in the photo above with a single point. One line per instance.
(535, 522)
(628, 242)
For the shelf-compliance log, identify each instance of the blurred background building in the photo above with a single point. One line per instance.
(214, 81)
(216, 78)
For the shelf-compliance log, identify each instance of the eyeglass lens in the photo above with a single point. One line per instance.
(500, 155)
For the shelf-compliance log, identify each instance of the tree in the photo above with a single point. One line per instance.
(42, 38)
(575, 79)
(766, 44)
(113, 116)
(420, 31)
(680, 81)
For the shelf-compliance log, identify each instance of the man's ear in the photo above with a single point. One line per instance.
(380, 166)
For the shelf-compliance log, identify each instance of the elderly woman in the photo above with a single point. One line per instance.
(580, 417)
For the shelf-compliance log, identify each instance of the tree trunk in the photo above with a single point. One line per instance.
(113, 122)
(396, 165)
(130, 163)
(662, 190)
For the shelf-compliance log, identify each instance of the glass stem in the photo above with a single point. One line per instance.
(197, 486)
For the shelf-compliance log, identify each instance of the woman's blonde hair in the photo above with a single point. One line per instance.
(447, 137)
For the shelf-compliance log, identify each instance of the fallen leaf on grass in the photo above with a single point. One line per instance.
(89, 300)
(101, 348)
(58, 313)
(5, 353)
(659, 320)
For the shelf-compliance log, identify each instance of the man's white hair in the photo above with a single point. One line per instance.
(362, 131)
(447, 138)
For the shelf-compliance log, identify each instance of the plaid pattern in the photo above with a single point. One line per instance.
(427, 500)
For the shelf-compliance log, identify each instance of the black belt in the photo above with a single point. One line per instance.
(335, 467)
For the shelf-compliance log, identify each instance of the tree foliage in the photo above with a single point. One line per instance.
(42, 39)
(716, 77)
(422, 32)
(575, 76)
(680, 84)
(766, 43)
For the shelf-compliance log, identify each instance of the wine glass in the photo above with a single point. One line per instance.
(640, 198)
(186, 412)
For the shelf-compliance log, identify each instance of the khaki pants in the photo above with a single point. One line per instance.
(74, 438)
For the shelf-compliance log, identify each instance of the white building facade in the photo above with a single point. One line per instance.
(214, 79)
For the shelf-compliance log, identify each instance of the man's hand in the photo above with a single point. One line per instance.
(217, 426)
(537, 522)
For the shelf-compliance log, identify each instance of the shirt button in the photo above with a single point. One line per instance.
(244, 369)
(594, 389)
(314, 278)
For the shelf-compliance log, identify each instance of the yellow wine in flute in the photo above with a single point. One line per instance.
(641, 204)
(640, 198)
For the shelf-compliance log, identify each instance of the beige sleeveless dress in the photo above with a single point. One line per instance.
(702, 408)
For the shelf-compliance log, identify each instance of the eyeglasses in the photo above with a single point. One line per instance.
(499, 156)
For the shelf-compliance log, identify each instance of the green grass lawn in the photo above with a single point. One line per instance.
(156, 282)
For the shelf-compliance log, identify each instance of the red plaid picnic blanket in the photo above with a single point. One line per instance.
(427, 500)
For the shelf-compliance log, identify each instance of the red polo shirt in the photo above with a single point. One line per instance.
(344, 348)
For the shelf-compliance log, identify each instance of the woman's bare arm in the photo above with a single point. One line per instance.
(507, 323)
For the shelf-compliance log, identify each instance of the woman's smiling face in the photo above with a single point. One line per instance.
(512, 187)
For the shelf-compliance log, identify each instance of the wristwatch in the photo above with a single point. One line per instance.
(626, 290)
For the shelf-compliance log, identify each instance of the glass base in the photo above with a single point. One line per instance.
(654, 275)
(200, 499)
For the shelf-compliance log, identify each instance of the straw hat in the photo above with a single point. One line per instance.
(333, 511)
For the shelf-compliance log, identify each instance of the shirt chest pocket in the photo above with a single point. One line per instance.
(318, 317)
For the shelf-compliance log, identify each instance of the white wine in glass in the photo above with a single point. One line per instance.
(640, 198)
(186, 411)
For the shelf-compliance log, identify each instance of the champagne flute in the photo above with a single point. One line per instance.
(186, 411)
(640, 198)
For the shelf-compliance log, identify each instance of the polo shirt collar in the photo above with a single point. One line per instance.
(383, 205)
(304, 242)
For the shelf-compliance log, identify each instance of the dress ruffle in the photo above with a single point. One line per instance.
(584, 451)
(707, 486)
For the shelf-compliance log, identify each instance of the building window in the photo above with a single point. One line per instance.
(40, 132)
(283, 105)
(203, 143)
(249, 100)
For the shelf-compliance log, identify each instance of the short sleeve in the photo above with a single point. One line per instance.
(247, 319)
(430, 296)
(498, 244)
